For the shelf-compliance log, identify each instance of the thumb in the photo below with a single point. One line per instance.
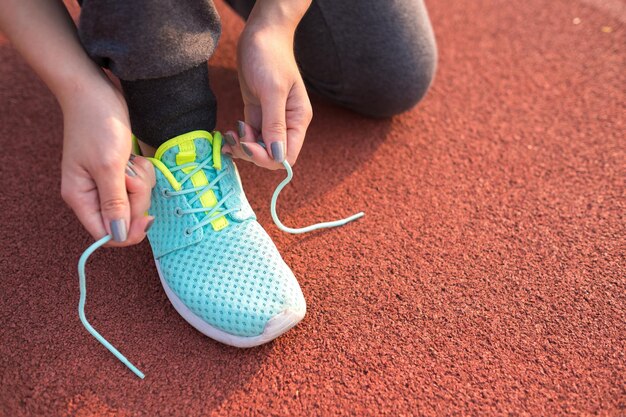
(114, 206)
(274, 126)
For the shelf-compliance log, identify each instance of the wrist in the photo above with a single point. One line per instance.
(284, 15)
(75, 89)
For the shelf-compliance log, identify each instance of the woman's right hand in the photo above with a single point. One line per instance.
(108, 194)
(97, 138)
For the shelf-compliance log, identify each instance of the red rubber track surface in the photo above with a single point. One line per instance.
(487, 277)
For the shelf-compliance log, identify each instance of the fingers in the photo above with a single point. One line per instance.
(274, 125)
(140, 179)
(244, 145)
(234, 147)
(96, 206)
(79, 191)
(144, 169)
(114, 205)
(283, 121)
(299, 116)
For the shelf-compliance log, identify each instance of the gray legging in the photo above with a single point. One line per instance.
(376, 57)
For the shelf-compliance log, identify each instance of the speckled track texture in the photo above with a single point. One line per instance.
(487, 278)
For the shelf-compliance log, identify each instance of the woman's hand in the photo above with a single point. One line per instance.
(97, 139)
(108, 193)
(276, 103)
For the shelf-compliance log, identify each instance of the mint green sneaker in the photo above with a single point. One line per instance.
(218, 266)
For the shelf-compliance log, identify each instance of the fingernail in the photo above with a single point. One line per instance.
(149, 225)
(241, 129)
(132, 156)
(118, 230)
(246, 150)
(230, 139)
(130, 172)
(278, 151)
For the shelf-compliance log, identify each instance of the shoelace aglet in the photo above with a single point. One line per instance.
(81, 306)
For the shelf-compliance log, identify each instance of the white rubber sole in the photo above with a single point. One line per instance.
(275, 327)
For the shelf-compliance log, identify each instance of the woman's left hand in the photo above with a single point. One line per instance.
(276, 103)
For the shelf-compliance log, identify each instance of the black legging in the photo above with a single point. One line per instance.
(375, 57)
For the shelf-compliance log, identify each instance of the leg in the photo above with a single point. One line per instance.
(159, 51)
(218, 266)
(375, 57)
(162, 108)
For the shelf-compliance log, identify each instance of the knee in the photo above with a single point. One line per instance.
(411, 85)
(400, 86)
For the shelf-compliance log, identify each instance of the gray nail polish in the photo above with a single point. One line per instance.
(241, 129)
(230, 139)
(278, 151)
(130, 172)
(132, 156)
(118, 230)
(246, 150)
(149, 225)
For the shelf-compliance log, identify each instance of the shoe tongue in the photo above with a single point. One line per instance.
(190, 147)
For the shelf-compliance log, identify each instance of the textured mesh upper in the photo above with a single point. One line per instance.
(167, 233)
(234, 279)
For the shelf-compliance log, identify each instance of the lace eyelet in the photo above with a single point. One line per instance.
(178, 212)
(188, 232)
(165, 193)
